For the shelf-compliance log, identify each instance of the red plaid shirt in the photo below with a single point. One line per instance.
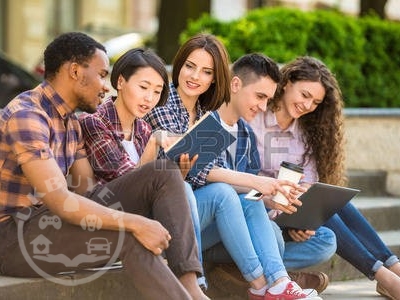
(103, 141)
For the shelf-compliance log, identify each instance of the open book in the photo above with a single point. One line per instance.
(207, 138)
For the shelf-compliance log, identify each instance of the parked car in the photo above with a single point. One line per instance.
(14, 79)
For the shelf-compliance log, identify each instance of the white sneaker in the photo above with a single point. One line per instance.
(311, 294)
(291, 292)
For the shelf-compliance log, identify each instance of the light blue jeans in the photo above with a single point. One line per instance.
(242, 226)
(318, 249)
(201, 280)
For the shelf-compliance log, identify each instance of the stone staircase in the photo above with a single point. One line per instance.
(382, 210)
(384, 214)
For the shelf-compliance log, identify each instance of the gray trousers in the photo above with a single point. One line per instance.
(156, 191)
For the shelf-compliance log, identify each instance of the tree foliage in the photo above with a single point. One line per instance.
(374, 7)
(363, 53)
(173, 16)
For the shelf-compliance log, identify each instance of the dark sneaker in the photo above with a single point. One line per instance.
(311, 280)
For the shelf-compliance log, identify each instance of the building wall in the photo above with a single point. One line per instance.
(228, 10)
(25, 30)
(33, 23)
(372, 144)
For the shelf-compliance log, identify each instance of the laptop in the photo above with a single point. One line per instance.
(320, 202)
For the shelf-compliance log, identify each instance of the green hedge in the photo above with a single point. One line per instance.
(364, 53)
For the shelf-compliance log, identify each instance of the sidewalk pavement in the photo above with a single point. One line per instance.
(360, 289)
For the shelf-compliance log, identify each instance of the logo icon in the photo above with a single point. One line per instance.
(91, 222)
(41, 245)
(98, 244)
(55, 221)
(97, 249)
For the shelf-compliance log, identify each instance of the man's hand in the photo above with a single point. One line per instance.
(270, 186)
(151, 234)
(292, 196)
(287, 209)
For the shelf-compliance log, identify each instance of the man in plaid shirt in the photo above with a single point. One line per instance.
(48, 188)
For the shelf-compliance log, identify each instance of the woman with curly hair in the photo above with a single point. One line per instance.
(304, 125)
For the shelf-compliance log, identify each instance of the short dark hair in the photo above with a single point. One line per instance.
(252, 66)
(137, 58)
(71, 46)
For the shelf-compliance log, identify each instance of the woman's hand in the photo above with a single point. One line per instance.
(185, 163)
(298, 235)
(287, 209)
(164, 138)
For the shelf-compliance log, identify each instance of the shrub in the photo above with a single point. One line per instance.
(338, 41)
(362, 52)
(382, 66)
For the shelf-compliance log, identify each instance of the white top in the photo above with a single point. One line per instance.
(232, 147)
(129, 147)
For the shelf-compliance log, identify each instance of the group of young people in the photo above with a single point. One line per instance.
(111, 155)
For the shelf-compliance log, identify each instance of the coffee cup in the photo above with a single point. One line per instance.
(290, 172)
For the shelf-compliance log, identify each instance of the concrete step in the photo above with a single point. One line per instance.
(223, 287)
(112, 285)
(384, 215)
(382, 212)
(371, 183)
(338, 269)
(357, 289)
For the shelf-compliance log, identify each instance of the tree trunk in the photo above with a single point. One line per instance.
(173, 16)
(374, 6)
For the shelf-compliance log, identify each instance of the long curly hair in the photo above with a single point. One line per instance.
(322, 129)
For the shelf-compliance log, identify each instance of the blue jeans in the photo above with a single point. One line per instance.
(358, 242)
(297, 255)
(201, 280)
(240, 224)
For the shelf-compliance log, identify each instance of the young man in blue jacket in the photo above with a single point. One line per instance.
(253, 83)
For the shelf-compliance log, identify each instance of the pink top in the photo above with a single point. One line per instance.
(276, 145)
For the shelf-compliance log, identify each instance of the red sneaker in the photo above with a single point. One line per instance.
(291, 292)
